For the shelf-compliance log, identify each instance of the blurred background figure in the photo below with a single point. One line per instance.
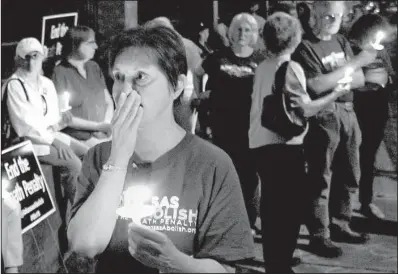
(11, 233)
(185, 116)
(230, 83)
(374, 95)
(82, 79)
(203, 39)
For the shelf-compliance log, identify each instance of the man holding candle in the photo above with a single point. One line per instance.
(334, 136)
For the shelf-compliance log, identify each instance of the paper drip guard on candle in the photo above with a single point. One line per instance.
(347, 76)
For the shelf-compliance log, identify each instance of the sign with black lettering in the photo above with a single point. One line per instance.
(23, 179)
(54, 28)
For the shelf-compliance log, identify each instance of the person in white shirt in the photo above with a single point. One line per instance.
(33, 110)
(280, 160)
(11, 233)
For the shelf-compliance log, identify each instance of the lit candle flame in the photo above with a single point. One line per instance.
(376, 44)
(134, 206)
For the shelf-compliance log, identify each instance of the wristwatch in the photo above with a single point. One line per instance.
(110, 167)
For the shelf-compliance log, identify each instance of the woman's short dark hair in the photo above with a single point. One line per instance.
(73, 38)
(366, 27)
(281, 32)
(164, 43)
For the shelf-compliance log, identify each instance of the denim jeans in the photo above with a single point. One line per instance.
(332, 147)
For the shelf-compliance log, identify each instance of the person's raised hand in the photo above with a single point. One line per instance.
(125, 125)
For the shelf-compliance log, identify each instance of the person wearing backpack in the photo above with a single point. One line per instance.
(31, 105)
(278, 124)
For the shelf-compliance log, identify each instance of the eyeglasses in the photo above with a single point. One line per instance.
(332, 17)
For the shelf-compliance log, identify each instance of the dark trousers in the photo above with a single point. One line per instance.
(242, 159)
(371, 109)
(283, 200)
(332, 144)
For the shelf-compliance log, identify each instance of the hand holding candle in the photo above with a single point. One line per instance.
(376, 44)
(347, 76)
(134, 206)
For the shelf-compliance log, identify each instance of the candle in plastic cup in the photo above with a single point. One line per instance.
(376, 44)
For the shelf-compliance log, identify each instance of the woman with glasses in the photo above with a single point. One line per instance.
(230, 82)
(80, 78)
(33, 109)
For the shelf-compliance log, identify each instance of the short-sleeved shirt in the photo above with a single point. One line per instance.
(198, 200)
(87, 97)
(231, 84)
(318, 57)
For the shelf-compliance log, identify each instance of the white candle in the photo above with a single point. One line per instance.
(376, 44)
(65, 101)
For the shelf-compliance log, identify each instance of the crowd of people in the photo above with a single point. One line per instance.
(285, 102)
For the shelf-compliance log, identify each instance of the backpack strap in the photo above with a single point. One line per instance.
(5, 93)
(279, 79)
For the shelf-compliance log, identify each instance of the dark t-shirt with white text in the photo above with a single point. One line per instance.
(231, 84)
(198, 200)
(322, 57)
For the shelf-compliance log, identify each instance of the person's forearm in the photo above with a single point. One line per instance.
(313, 107)
(358, 79)
(79, 123)
(90, 230)
(326, 82)
(188, 264)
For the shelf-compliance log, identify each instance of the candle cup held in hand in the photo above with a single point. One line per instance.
(376, 43)
(347, 76)
(134, 206)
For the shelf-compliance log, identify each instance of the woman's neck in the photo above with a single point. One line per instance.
(79, 64)
(151, 142)
(31, 77)
(242, 51)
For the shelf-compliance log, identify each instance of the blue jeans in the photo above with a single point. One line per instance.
(332, 147)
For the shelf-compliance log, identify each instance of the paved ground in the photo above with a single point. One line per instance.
(379, 255)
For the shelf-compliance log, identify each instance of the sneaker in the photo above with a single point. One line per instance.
(324, 247)
(348, 236)
(372, 211)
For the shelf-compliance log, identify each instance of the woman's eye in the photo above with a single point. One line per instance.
(141, 78)
(118, 77)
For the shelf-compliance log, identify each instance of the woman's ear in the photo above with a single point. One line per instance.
(182, 79)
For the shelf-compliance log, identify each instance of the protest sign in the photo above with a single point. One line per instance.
(23, 179)
(54, 28)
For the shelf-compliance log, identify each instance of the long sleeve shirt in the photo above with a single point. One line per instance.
(32, 118)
